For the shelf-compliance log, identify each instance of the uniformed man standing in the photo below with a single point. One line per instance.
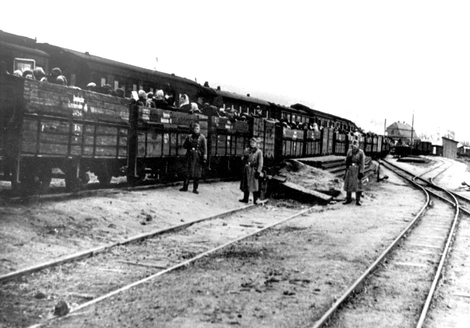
(355, 160)
(196, 156)
(253, 165)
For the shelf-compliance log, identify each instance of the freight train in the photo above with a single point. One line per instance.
(45, 127)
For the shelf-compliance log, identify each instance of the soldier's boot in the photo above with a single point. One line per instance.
(348, 198)
(195, 186)
(358, 198)
(255, 197)
(246, 195)
(185, 185)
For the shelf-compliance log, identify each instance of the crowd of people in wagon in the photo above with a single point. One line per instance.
(38, 74)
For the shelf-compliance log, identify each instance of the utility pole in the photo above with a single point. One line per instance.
(412, 126)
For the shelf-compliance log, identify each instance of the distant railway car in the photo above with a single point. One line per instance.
(241, 104)
(20, 53)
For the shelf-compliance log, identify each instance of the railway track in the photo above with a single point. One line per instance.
(31, 296)
(398, 288)
(61, 193)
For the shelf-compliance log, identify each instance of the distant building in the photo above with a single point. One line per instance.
(449, 148)
(399, 130)
(463, 150)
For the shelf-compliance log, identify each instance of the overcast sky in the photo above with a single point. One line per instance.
(368, 61)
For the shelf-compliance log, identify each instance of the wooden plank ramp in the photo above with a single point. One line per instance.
(298, 188)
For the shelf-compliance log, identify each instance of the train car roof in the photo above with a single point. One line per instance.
(120, 68)
(237, 96)
(17, 39)
(7, 45)
(290, 109)
(320, 113)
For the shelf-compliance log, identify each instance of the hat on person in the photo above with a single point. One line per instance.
(194, 125)
(255, 139)
(27, 72)
(56, 71)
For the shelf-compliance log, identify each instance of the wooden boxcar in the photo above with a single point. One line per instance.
(45, 126)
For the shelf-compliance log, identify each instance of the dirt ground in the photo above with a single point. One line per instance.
(319, 248)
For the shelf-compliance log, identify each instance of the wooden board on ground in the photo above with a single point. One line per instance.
(307, 191)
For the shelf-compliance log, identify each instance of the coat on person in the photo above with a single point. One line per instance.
(196, 155)
(253, 165)
(354, 170)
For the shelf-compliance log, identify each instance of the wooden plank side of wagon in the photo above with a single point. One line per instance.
(62, 121)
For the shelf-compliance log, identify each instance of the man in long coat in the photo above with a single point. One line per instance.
(355, 160)
(196, 156)
(253, 165)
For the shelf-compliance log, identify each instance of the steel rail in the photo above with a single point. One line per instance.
(449, 241)
(327, 315)
(443, 260)
(173, 268)
(134, 239)
(432, 184)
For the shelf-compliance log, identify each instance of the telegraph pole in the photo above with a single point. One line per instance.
(412, 126)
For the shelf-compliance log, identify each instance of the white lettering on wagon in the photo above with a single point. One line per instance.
(78, 106)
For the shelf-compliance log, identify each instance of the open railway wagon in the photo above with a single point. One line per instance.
(45, 126)
(156, 143)
(422, 148)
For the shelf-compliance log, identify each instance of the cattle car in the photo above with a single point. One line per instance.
(46, 126)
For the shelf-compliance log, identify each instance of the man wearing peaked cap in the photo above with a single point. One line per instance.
(196, 156)
(355, 160)
(253, 165)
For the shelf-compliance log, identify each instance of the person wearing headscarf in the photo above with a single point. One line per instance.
(39, 74)
(253, 165)
(184, 102)
(18, 73)
(355, 162)
(28, 74)
(194, 108)
(56, 77)
(159, 100)
(196, 156)
(91, 86)
(142, 98)
(150, 102)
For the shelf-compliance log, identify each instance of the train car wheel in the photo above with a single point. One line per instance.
(104, 177)
(36, 180)
(72, 182)
(135, 179)
(45, 177)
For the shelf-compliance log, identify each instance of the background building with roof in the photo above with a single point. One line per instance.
(401, 131)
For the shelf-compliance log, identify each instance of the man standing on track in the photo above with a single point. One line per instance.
(355, 161)
(196, 156)
(253, 164)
